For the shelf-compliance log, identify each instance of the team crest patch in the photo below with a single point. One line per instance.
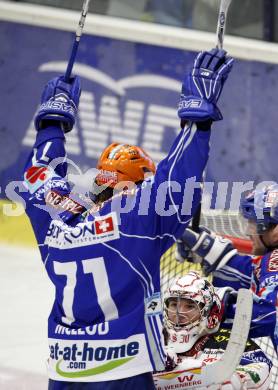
(153, 305)
(36, 177)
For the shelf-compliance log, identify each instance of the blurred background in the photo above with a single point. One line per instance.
(247, 18)
(132, 59)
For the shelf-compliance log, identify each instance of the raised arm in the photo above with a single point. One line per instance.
(176, 187)
(46, 167)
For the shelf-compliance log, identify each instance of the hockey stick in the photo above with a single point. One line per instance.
(221, 24)
(222, 370)
(220, 31)
(85, 8)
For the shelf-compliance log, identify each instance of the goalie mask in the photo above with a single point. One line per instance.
(192, 309)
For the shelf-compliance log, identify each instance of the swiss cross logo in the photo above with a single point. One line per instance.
(104, 225)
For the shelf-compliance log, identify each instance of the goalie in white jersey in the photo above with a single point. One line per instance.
(194, 338)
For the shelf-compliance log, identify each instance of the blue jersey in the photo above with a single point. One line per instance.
(261, 275)
(106, 320)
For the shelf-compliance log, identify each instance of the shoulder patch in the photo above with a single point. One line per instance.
(36, 176)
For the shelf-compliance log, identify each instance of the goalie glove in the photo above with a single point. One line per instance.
(201, 89)
(59, 102)
(214, 251)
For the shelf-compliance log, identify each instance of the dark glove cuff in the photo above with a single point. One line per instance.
(204, 126)
(184, 122)
(44, 124)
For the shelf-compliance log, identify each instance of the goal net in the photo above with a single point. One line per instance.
(225, 223)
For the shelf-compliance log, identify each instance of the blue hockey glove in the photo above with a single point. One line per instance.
(59, 102)
(184, 253)
(215, 251)
(201, 89)
(228, 297)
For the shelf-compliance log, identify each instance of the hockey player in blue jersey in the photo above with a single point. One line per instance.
(259, 215)
(105, 326)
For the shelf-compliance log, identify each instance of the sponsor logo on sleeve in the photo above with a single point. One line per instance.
(56, 183)
(100, 230)
(63, 203)
(270, 281)
(273, 262)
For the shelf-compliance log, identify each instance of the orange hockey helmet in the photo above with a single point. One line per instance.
(121, 162)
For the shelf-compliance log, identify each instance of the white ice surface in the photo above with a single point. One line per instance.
(26, 297)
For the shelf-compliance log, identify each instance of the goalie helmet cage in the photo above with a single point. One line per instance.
(227, 224)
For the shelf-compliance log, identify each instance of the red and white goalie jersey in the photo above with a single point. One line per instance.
(184, 370)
